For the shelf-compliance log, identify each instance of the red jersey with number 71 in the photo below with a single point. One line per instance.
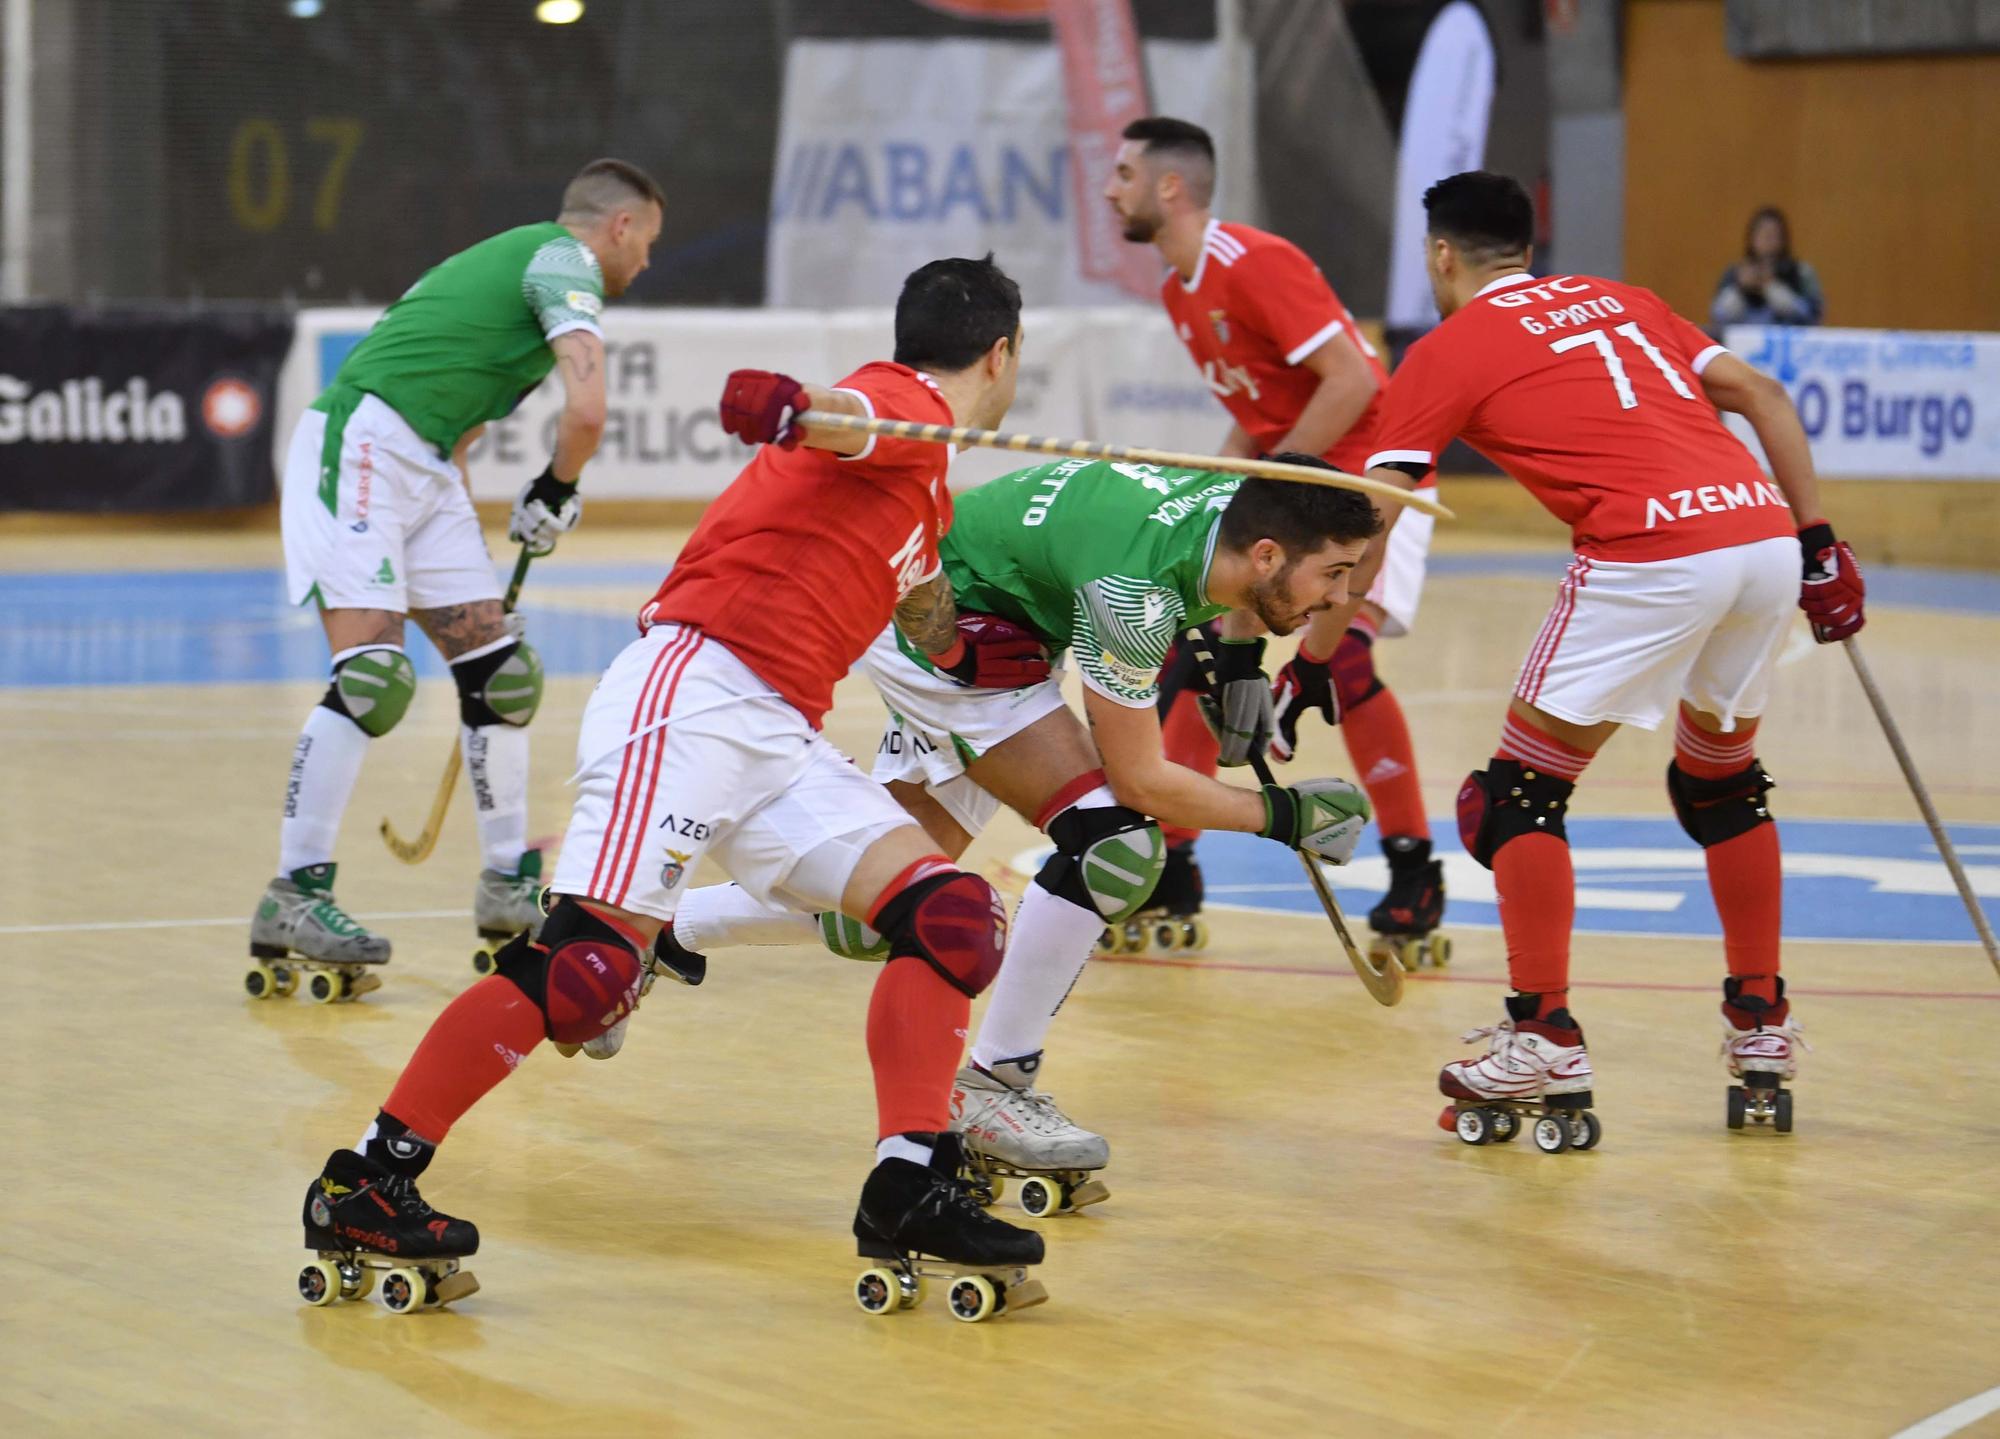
(1589, 393)
(798, 565)
(1254, 310)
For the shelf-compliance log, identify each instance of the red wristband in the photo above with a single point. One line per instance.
(951, 658)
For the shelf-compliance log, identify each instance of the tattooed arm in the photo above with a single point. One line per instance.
(580, 362)
(928, 615)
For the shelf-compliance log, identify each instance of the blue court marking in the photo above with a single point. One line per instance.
(127, 627)
(1846, 880)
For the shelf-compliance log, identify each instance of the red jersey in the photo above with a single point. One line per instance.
(1588, 392)
(798, 565)
(1255, 308)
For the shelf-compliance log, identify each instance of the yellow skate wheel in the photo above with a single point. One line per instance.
(404, 1290)
(358, 1284)
(319, 1283)
(1043, 1197)
(973, 1298)
(1440, 950)
(1194, 933)
(877, 1291)
(1107, 942)
(324, 987)
(482, 960)
(260, 981)
(1166, 935)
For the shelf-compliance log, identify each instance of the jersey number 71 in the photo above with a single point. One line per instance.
(1613, 365)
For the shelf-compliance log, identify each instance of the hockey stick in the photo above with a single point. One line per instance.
(1092, 450)
(416, 851)
(1384, 985)
(1909, 766)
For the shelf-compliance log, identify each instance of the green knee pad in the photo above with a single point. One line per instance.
(850, 938)
(1107, 858)
(501, 686)
(373, 687)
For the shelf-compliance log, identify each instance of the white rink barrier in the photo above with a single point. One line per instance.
(1115, 374)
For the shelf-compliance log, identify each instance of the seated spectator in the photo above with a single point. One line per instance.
(1767, 286)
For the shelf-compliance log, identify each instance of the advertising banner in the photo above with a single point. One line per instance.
(117, 410)
(1885, 404)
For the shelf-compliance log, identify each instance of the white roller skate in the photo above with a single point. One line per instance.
(1535, 1074)
(505, 904)
(299, 929)
(1171, 919)
(1761, 1044)
(1012, 1130)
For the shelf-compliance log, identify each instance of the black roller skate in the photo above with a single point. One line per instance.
(360, 1218)
(1406, 919)
(923, 1221)
(1172, 917)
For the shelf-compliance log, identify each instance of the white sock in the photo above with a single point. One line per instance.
(496, 761)
(1051, 942)
(325, 763)
(720, 915)
(901, 1146)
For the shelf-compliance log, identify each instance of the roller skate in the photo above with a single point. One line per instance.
(1172, 918)
(1406, 920)
(1014, 1131)
(1761, 1045)
(299, 929)
(360, 1218)
(1535, 1075)
(923, 1222)
(505, 904)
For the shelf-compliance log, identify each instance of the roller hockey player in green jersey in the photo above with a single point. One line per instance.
(1111, 562)
(378, 526)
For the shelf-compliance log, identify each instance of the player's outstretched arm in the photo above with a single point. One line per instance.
(762, 407)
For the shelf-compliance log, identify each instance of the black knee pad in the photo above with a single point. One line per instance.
(1108, 858)
(581, 973)
(1352, 670)
(502, 685)
(1507, 799)
(1714, 810)
(954, 922)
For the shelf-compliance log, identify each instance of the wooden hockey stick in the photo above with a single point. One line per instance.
(1909, 767)
(1384, 985)
(416, 851)
(1092, 450)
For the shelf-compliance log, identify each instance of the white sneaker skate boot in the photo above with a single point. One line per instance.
(1013, 1129)
(1536, 1070)
(1760, 1044)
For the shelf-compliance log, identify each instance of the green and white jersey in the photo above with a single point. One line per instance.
(471, 337)
(1108, 559)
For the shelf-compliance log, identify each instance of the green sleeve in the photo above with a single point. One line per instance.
(1124, 628)
(563, 287)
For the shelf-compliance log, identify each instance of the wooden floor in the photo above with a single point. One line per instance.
(1291, 1247)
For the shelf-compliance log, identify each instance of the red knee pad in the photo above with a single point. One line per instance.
(592, 984)
(956, 923)
(1352, 669)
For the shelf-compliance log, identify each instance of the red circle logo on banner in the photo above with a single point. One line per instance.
(1016, 10)
(230, 408)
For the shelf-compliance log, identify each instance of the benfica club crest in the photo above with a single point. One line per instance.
(673, 869)
(1219, 322)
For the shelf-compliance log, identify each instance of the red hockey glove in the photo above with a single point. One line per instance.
(993, 654)
(762, 408)
(1832, 591)
(1304, 684)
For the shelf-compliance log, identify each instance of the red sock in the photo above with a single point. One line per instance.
(916, 1037)
(1378, 741)
(477, 1042)
(1744, 873)
(1189, 742)
(1534, 877)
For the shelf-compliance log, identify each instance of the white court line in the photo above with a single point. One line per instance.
(1952, 1420)
(211, 923)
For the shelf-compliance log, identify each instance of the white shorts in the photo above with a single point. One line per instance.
(936, 728)
(396, 530)
(686, 754)
(1627, 642)
(1399, 584)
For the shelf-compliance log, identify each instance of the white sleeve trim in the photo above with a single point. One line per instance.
(869, 405)
(1701, 361)
(1125, 700)
(1398, 457)
(1306, 347)
(588, 326)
